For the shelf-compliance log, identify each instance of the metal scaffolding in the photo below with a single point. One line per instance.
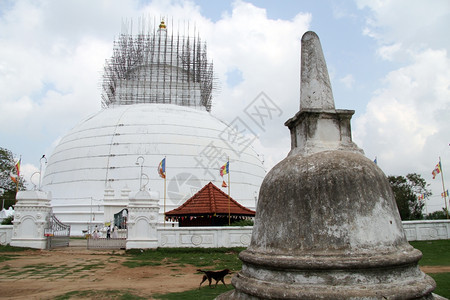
(157, 66)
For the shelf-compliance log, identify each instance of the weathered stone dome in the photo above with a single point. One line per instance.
(320, 191)
(329, 218)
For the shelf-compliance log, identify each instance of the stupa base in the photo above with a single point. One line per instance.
(394, 276)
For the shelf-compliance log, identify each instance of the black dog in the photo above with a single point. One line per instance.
(216, 275)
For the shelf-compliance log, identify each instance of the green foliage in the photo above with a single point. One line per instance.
(205, 293)
(437, 215)
(213, 258)
(442, 286)
(8, 220)
(406, 190)
(435, 253)
(7, 166)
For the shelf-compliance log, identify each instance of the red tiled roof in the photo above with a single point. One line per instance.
(210, 200)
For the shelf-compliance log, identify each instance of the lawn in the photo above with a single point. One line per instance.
(435, 253)
(212, 258)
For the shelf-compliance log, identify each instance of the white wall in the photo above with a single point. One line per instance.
(427, 230)
(205, 237)
(6, 234)
(212, 237)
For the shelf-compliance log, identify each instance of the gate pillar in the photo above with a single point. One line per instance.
(143, 210)
(32, 213)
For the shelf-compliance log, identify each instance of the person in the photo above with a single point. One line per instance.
(95, 233)
(114, 233)
(108, 232)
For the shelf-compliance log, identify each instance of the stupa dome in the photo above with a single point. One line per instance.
(156, 98)
(101, 153)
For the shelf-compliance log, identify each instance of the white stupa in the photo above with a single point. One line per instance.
(156, 105)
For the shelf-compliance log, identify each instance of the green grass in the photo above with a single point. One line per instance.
(442, 284)
(8, 248)
(435, 253)
(6, 257)
(205, 293)
(92, 266)
(210, 258)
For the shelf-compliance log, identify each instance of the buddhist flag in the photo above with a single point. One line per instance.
(421, 197)
(436, 170)
(162, 168)
(444, 194)
(225, 169)
(13, 177)
(18, 167)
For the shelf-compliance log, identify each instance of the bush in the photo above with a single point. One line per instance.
(437, 215)
(8, 220)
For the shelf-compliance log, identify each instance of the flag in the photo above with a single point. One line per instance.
(18, 167)
(13, 177)
(420, 197)
(162, 168)
(225, 169)
(436, 170)
(224, 184)
(444, 194)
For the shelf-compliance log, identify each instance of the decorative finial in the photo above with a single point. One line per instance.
(162, 25)
(318, 126)
(315, 86)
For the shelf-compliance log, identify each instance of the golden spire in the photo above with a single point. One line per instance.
(162, 25)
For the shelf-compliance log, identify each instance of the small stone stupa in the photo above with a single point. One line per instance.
(327, 225)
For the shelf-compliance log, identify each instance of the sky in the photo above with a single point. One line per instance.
(388, 60)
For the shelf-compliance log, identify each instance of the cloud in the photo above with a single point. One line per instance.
(406, 121)
(416, 25)
(266, 52)
(53, 53)
(348, 81)
(389, 52)
(28, 172)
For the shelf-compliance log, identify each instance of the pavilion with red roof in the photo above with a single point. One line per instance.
(209, 207)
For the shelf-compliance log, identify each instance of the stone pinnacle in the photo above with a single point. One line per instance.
(315, 86)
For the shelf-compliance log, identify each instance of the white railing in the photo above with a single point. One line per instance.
(212, 237)
(204, 237)
(427, 230)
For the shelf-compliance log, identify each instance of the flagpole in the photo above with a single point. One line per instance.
(165, 176)
(18, 177)
(229, 212)
(443, 186)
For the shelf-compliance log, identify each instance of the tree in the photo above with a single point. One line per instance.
(406, 191)
(437, 215)
(7, 166)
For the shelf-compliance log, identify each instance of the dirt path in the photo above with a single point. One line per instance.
(47, 274)
(435, 269)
